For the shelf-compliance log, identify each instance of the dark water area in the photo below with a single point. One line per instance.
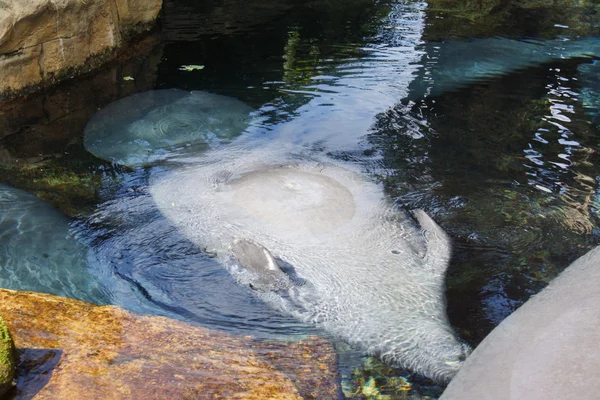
(487, 120)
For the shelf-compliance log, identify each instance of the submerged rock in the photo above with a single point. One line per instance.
(547, 18)
(70, 349)
(154, 125)
(7, 359)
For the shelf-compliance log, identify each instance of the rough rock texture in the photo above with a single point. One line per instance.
(69, 349)
(7, 359)
(43, 41)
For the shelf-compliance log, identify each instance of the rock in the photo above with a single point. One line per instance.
(7, 359)
(547, 349)
(45, 41)
(67, 348)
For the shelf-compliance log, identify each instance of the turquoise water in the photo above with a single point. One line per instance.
(491, 130)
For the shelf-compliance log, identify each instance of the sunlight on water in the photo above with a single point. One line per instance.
(167, 274)
(492, 132)
(340, 94)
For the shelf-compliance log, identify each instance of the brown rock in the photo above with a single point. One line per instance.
(69, 349)
(50, 39)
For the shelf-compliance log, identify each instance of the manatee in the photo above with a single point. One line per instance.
(589, 78)
(150, 126)
(39, 253)
(460, 63)
(266, 274)
(547, 349)
(362, 270)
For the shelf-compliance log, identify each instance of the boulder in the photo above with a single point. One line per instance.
(45, 41)
(71, 349)
(7, 359)
(547, 349)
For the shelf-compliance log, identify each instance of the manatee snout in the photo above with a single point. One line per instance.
(265, 275)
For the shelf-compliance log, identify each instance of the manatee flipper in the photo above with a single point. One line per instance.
(264, 273)
(439, 247)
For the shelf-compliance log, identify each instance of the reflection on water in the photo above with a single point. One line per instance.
(504, 159)
(508, 164)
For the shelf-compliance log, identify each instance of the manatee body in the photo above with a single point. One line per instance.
(369, 276)
(156, 125)
(460, 63)
(548, 349)
(38, 252)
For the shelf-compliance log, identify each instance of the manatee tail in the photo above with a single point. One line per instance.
(439, 248)
(264, 273)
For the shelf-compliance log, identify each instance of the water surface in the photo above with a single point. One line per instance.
(505, 161)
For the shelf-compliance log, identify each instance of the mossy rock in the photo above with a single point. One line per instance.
(7, 359)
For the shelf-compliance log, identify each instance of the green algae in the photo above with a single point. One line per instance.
(375, 380)
(7, 359)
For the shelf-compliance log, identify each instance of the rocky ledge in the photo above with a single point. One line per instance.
(68, 349)
(45, 41)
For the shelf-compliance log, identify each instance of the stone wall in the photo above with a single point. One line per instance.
(45, 41)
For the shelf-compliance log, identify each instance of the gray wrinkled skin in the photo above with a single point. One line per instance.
(547, 349)
(373, 278)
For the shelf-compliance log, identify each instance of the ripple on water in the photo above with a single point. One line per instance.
(150, 126)
(158, 270)
(39, 253)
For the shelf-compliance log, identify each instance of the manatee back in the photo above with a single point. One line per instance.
(299, 200)
(548, 349)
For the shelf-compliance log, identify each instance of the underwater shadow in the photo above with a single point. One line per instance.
(33, 372)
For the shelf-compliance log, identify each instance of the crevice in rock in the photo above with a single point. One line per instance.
(118, 17)
(39, 61)
(22, 49)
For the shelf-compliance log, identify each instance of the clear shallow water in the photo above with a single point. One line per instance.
(507, 164)
(38, 252)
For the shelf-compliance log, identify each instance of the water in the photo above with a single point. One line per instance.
(505, 160)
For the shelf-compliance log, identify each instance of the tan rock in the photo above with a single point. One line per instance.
(69, 349)
(51, 39)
